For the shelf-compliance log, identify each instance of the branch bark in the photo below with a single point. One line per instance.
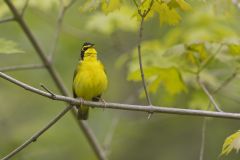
(143, 15)
(60, 18)
(22, 67)
(5, 20)
(154, 109)
(37, 134)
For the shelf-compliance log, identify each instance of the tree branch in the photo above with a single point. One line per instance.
(143, 15)
(108, 139)
(154, 109)
(60, 18)
(212, 100)
(37, 134)
(53, 73)
(24, 8)
(226, 82)
(204, 124)
(22, 67)
(9, 19)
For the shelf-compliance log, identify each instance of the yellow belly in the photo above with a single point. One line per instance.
(90, 80)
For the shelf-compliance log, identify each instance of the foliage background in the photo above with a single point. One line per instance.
(115, 35)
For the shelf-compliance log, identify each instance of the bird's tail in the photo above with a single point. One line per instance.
(83, 112)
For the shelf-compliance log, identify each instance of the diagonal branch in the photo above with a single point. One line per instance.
(212, 100)
(22, 67)
(37, 134)
(53, 73)
(154, 109)
(24, 7)
(109, 137)
(60, 18)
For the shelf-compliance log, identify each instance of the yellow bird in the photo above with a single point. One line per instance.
(90, 80)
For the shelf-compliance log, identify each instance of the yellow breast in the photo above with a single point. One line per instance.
(90, 80)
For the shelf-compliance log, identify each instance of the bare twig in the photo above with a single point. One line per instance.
(205, 63)
(53, 73)
(226, 82)
(46, 89)
(60, 18)
(108, 139)
(9, 19)
(24, 8)
(143, 15)
(38, 134)
(204, 123)
(21, 67)
(212, 100)
(205, 120)
(154, 109)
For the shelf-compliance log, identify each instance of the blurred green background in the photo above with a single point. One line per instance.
(165, 137)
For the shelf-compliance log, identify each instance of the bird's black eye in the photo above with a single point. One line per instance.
(85, 46)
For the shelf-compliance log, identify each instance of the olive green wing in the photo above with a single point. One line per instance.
(74, 75)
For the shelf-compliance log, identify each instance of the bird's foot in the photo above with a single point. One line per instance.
(103, 101)
(81, 100)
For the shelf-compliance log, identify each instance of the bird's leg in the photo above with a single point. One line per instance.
(104, 102)
(81, 102)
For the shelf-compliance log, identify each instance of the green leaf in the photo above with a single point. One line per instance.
(119, 19)
(9, 47)
(234, 49)
(230, 143)
(183, 5)
(110, 5)
(199, 100)
(170, 78)
(196, 53)
(167, 15)
(90, 5)
(148, 73)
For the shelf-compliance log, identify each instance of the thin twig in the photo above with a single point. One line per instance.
(46, 89)
(226, 82)
(55, 76)
(21, 67)
(9, 19)
(108, 139)
(136, 4)
(204, 65)
(212, 100)
(38, 134)
(24, 8)
(204, 123)
(129, 107)
(60, 18)
(143, 15)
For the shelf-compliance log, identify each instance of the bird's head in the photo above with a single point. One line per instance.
(88, 50)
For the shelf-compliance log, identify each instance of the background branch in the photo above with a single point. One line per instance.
(60, 18)
(202, 148)
(54, 75)
(212, 100)
(108, 139)
(9, 19)
(24, 8)
(37, 134)
(22, 67)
